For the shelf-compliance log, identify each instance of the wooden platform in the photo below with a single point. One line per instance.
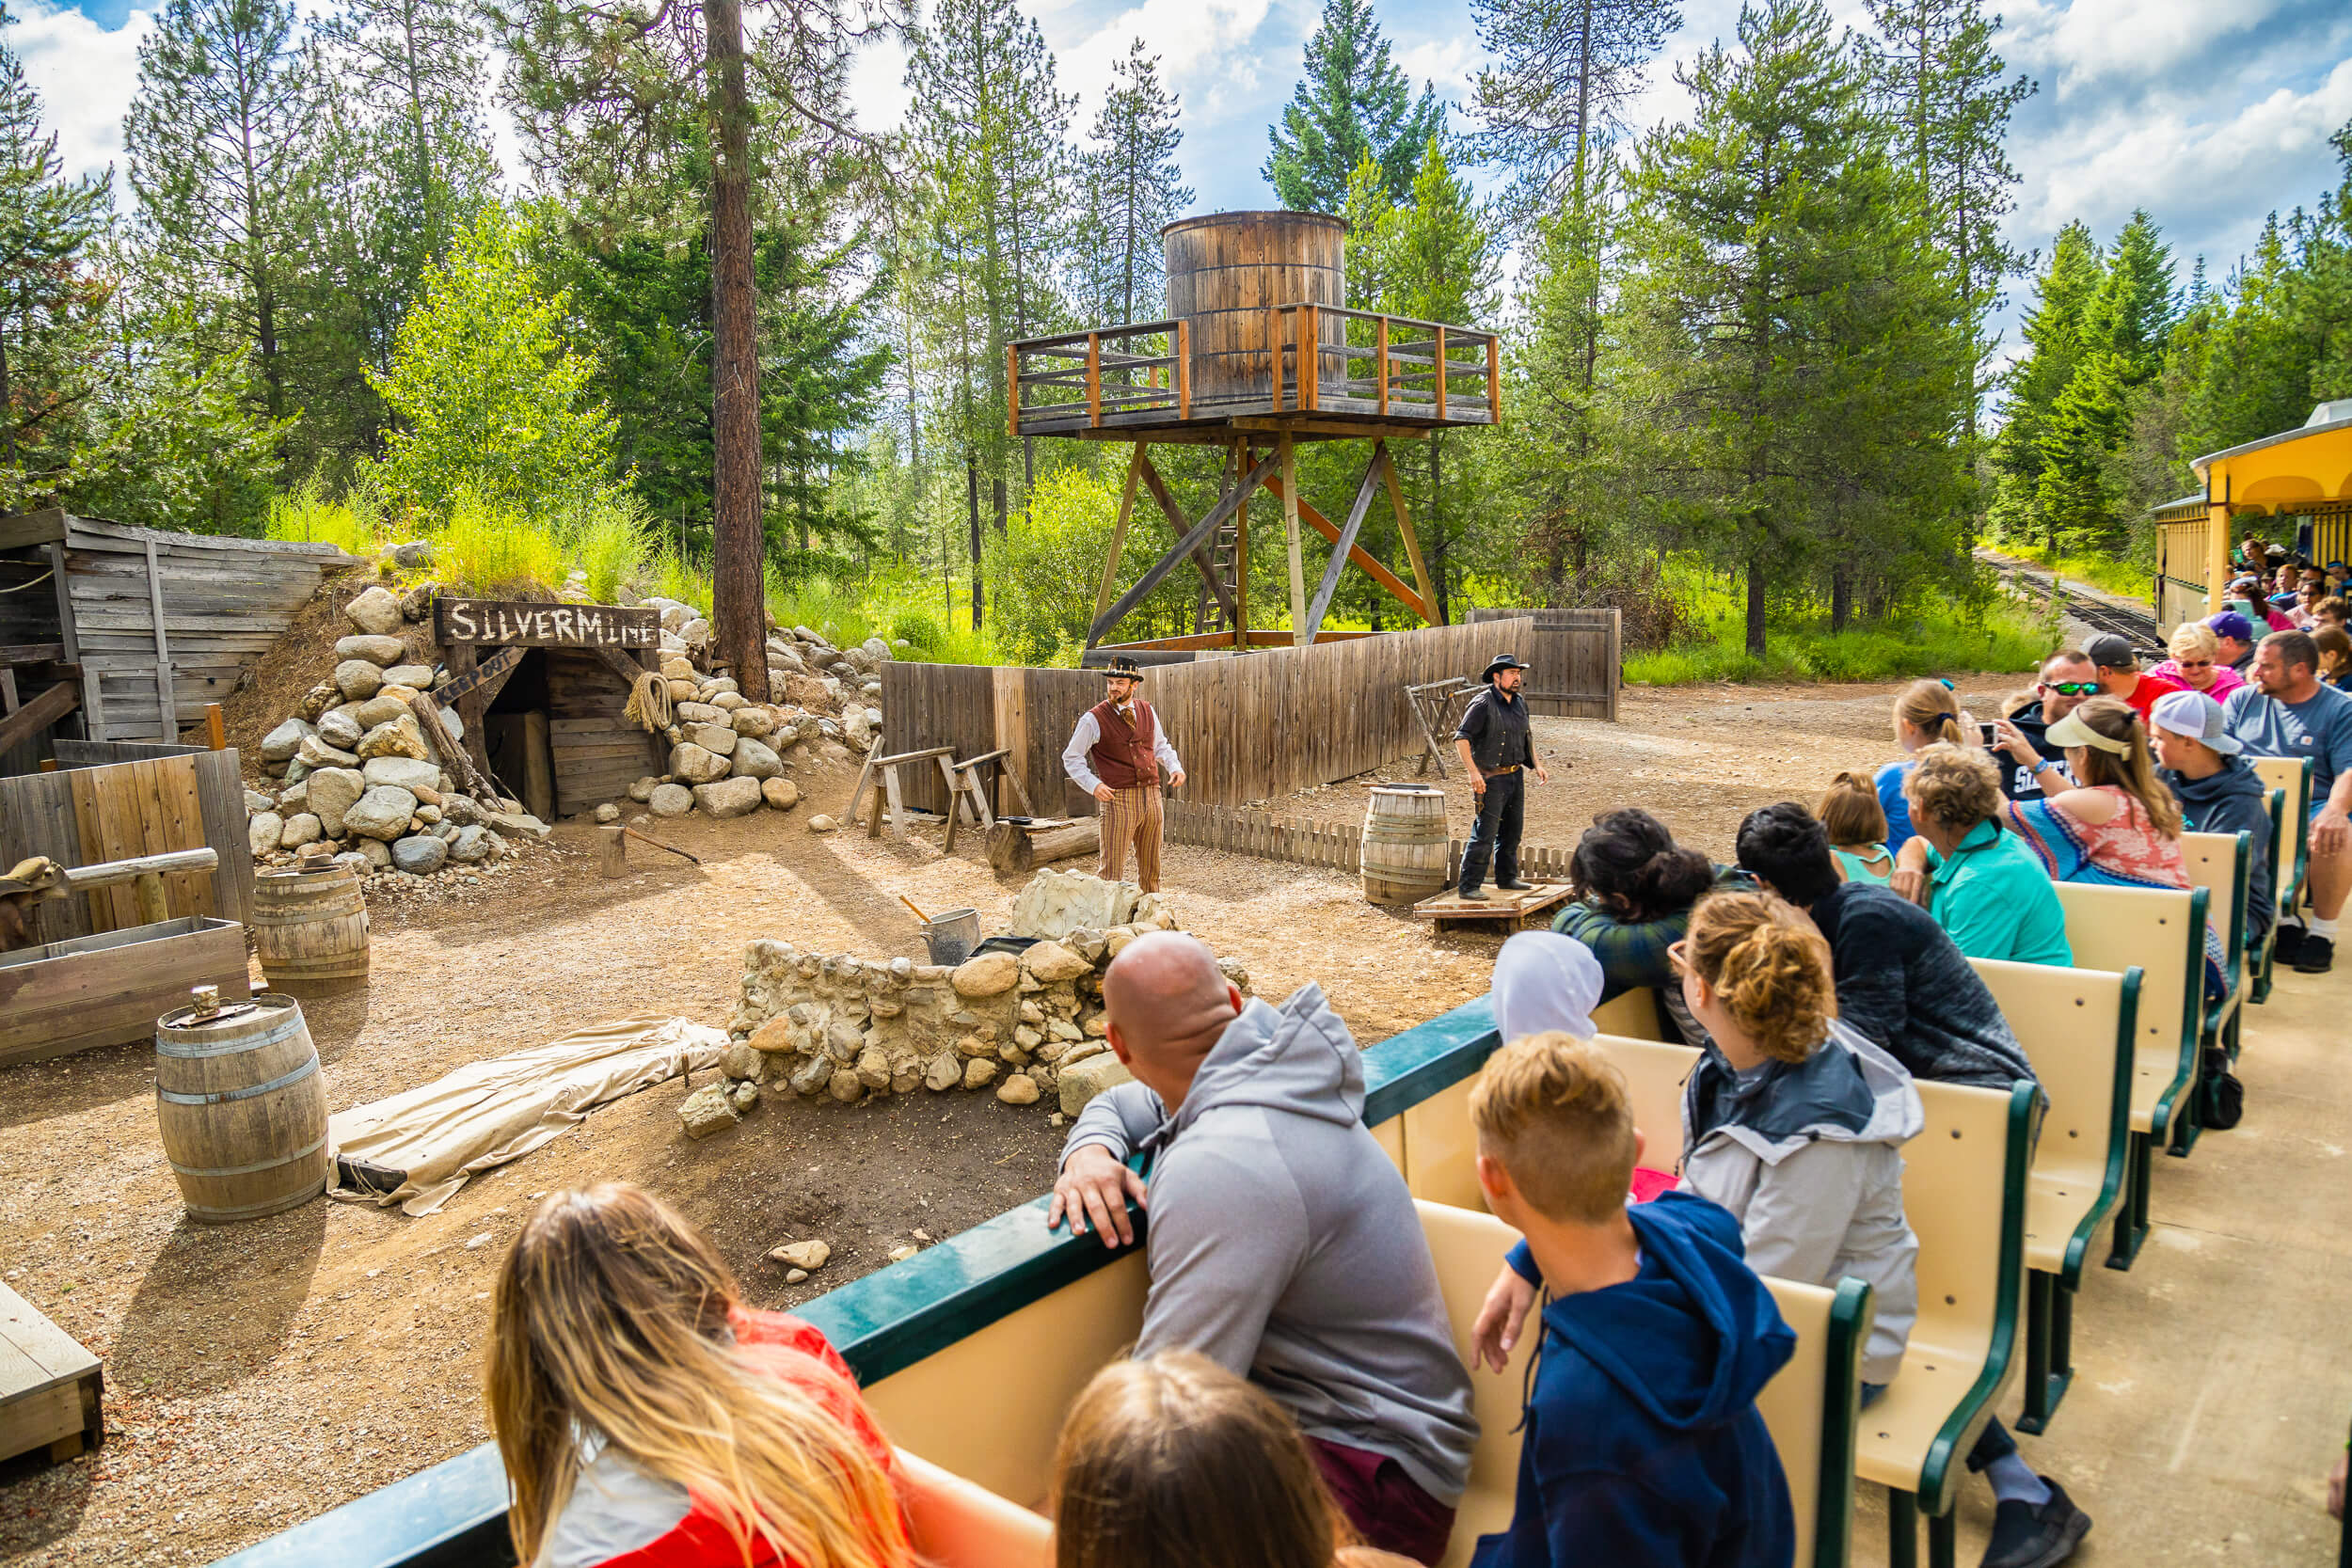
(49, 1385)
(1513, 907)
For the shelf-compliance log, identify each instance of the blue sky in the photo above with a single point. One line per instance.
(2209, 113)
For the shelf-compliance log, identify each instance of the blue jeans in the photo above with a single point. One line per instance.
(1496, 833)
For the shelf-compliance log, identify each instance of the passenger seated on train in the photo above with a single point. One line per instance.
(1641, 1443)
(2217, 792)
(1901, 981)
(1983, 886)
(1174, 1461)
(1635, 887)
(2289, 712)
(1856, 825)
(645, 1414)
(1283, 1244)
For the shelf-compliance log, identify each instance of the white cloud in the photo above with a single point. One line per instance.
(2092, 40)
(85, 76)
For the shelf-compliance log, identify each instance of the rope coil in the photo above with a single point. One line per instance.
(649, 703)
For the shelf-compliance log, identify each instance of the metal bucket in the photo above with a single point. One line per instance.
(952, 936)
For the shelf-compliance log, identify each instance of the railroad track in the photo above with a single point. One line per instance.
(2101, 615)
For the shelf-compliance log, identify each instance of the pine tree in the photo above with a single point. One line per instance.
(2055, 344)
(211, 136)
(1352, 102)
(49, 297)
(417, 65)
(1137, 184)
(1788, 348)
(1564, 74)
(2121, 337)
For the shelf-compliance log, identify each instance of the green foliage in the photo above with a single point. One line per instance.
(1934, 636)
(1353, 104)
(306, 514)
(610, 542)
(493, 402)
(676, 578)
(1132, 187)
(1047, 572)
(182, 439)
(490, 548)
(1563, 74)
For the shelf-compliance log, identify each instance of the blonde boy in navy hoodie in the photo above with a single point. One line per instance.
(1642, 1446)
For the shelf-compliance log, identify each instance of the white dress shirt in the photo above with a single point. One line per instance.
(1082, 739)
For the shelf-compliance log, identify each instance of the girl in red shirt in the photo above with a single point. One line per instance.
(648, 1419)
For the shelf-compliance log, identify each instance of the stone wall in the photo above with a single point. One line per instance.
(1029, 1026)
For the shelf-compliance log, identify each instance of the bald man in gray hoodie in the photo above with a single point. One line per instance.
(1282, 1241)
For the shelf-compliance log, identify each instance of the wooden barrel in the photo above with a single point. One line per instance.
(311, 927)
(1224, 273)
(243, 1109)
(1404, 844)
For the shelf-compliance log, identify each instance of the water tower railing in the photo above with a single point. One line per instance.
(1386, 365)
(1087, 375)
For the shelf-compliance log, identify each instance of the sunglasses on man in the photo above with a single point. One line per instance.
(2071, 688)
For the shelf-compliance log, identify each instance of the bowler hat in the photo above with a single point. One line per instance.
(1123, 665)
(1502, 661)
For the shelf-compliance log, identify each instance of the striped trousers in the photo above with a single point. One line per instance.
(1131, 816)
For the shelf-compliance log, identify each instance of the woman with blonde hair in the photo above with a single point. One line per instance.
(1983, 886)
(1924, 713)
(2120, 826)
(1856, 825)
(646, 1416)
(2196, 662)
(1174, 1461)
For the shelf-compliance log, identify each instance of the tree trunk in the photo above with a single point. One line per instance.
(1840, 598)
(1756, 607)
(738, 545)
(972, 492)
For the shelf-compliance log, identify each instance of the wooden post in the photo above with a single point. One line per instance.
(1440, 368)
(612, 850)
(1310, 361)
(154, 909)
(538, 767)
(1301, 632)
(1012, 390)
(1183, 370)
(1405, 526)
(1094, 379)
(215, 728)
(1241, 544)
(1273, 354)
(167, 713)
(1380, 362)
(1494, 380)
(93, 710)
(1119, 532)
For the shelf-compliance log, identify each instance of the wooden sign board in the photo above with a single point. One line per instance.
(547, 626)
(490, 669)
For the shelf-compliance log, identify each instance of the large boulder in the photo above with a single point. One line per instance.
(718, 739)
(315, 753)
(877, 649)
(1082, 1080)
(382, 813)
(358, 680)
(376, 649)
(376, 611)
(469, 845)
(1055, 903)
(301, 827)
(669, 799)
(780, 794)
(406, 773)
(329, 792)
(263, 829)
(699, 713)
(379, 709)
(1050, 961)
(339, 728)
(421, 854)
(401, 738)
(418, 677)
(754, 720)
(989, 974)
(696, 764)
(708, 1110)
(516, 824)
(755, 759)
(728, 797)
(282, 743)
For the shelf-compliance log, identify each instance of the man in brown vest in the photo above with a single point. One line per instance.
(1119, 755)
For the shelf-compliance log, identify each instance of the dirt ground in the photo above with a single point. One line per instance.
(1701, 757)
(261, 1373)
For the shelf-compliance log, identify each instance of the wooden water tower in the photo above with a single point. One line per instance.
(1260, 352)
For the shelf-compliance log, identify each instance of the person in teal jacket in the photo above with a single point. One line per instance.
(1983, 886)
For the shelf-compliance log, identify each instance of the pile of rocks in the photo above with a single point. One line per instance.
(354, 776)
(1024, 1024)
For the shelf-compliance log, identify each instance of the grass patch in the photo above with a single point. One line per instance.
(487, 550)
(610, 542)
(305, 515)
(1936, 641)
(2108, 574)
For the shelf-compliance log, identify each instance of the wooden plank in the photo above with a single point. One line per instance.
(1378, 573)
(1405, 526)
(32, 653)
(1344, 546)
(110, 989)
(1119, 530)
(1188, 544)
(546, 625)
(93, 709)
(165, 714)
(1302, 624)
(32, 718)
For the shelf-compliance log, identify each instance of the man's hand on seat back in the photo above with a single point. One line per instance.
(1092, 1190)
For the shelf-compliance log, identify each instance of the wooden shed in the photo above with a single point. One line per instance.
(115, 633)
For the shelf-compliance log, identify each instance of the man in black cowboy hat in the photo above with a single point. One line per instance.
(1118, 754)
(1495, 742)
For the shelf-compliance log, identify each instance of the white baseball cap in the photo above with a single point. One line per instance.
(2197, 715)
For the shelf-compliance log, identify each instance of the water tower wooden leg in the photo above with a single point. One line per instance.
(1241, 547)
(1405, 526)
(1118, 535)
(1301, 632)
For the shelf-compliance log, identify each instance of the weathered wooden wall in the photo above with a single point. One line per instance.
(597, 752)
(86, 816)
(1578, 655)
(1316, 840)
(224, 602)
(1249, 728)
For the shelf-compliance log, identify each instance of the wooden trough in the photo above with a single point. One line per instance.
(50, 1386)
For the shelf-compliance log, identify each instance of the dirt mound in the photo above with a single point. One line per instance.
(273, 689)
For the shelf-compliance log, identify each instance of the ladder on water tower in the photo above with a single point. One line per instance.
(1208, 610)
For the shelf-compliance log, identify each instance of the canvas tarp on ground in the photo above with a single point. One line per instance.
(418, 1147)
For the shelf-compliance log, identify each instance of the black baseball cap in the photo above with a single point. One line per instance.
(2111, 652)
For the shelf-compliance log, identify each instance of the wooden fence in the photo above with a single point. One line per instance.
(1249, 728)
(1578, 656)
(153, 624)
(1306, 841)
(85, 815)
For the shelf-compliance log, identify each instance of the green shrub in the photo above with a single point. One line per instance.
(687, 581)
(306, 515)
(610, 541)
(487, 550)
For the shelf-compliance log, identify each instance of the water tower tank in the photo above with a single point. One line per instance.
(1224, 273)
